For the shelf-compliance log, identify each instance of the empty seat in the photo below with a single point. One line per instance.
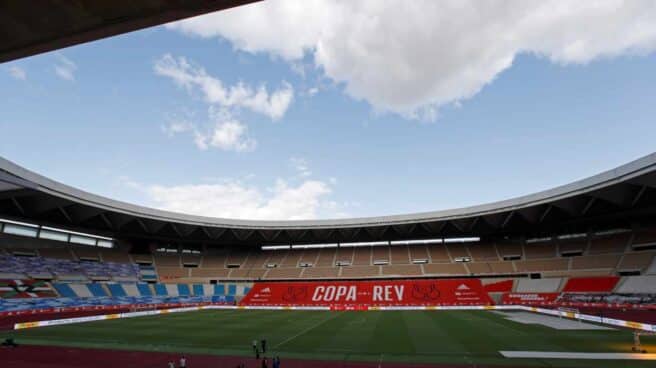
(418, 252)
(502, 267)
(573, 245)
(345, 255)
(276, 257)
(438, 253)
(190, 259)
(283, 273)
(116, 256)
(483, 251)
(399, 254)
(142, 258)
(239, 273)
(310, 256)
(380, 254)
(542, 265)
(540, 250)
(320, 272)
(508, 249)
(219, 273)
(326, 257)
(479, 268)
(615, 243)
(361, 256)
(213, 261)
(445, 269)
(167, 260)
(635, 261)
(601, 261)
(401, 270)
(167, 273)
(458, 251)
(237, 257)
(591, 284)
(644, 237)
(256, 260)
(292, 259)
(359, 271)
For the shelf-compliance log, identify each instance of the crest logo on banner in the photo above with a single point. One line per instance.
(425, 292)
(295, 294)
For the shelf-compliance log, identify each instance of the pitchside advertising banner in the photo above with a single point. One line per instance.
(371, 293)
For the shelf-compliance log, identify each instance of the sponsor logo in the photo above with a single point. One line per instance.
(295, 294)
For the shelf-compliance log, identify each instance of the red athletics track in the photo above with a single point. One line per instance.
(63, 357)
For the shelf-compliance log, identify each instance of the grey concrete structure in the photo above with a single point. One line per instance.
(622, 197)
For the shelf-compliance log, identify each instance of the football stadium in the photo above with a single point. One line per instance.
(564, 277)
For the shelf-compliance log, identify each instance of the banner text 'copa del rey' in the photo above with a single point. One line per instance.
(383, 292)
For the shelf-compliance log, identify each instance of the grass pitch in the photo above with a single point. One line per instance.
(455, 337)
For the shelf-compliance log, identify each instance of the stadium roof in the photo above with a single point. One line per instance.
(617, 197)
(28, 28)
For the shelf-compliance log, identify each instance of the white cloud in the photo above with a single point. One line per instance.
(235, 199)
(224, 132)
(190, 76)
(177, 127)
(65, 68)
(229, 135)
(412, 57)
(17, 72)
(301, 166)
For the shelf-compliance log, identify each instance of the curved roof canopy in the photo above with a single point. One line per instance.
(613, 198)
(32, 27)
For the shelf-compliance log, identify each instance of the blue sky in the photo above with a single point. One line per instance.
(335, 132)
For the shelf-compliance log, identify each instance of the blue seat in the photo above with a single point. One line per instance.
(116, 289)
(144, 290)
(96, 290)
(160, 289)
(183, 290)
(64, 290)
(198, 289)
(219, 289)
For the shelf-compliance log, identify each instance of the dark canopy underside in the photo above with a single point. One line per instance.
(32, 27)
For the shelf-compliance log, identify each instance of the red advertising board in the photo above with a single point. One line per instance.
(370, 293)
(528, 298)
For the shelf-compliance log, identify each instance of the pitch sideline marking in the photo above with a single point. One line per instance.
(574, 355)
(307, 330)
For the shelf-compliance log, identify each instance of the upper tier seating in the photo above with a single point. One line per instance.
(326, 257)
(345, 255)
(458, 251)
(399, 255)
(635, 261)
(57, 253)
(445, 269)
(320, 272)
(644, 237)
(40, 267)
(615, 243)
(360, 271)
(507, 249)
(361, 256)
(483, 252)
(381, 254)
(438, 253)
(418, 252)
(401, 270)
(540, 250)
(601, 261)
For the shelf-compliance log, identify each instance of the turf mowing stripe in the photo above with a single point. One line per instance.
(330, 318)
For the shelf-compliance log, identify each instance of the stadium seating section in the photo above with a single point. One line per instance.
(617, 268)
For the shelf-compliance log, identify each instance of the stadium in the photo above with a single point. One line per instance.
(560, 278)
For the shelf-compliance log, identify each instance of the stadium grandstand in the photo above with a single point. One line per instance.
(581, 254)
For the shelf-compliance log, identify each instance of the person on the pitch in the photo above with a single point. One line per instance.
(263, 342)
(255, 350)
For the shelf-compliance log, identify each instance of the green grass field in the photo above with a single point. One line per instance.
(462, 337)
